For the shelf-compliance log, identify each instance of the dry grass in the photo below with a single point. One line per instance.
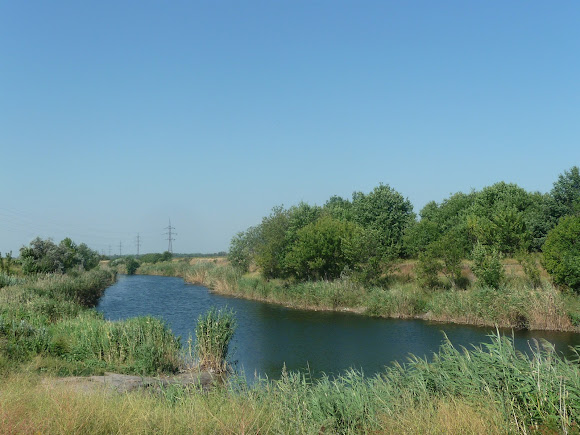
(449, 416)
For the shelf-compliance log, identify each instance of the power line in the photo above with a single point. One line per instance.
(169, 235)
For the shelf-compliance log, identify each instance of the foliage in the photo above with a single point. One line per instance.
(530, 268)
(155, 257)
(272, 249)
(43, 256)
(131, 264)
(6, 264)
(562, 252)
(243, 248)
(318, 251)
(487, 266)
(566, 193)
(427, 270)
(213, 333)
(387, 214)
(497, 217)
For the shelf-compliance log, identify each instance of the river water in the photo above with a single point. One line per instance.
(269, 336)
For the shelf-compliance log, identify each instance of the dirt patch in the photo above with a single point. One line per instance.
(115, 382)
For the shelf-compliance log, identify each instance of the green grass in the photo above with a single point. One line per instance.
(516, 304)
(488, 389)
(46, 324)
(213, 333)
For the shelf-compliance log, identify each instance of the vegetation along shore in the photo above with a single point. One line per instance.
(500, 256)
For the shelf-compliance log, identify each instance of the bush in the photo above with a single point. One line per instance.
(428, 268)
(487, 266)
(562, 252)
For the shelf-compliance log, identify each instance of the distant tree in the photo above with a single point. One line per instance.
(339, 208)
(562, 252)
(272, 249)
(131, 264)
(497, 217)
(566, 194)
(44, 256)
(166, 256)
(419, 235)
(243, 248)
(387, 214)
(319, 249)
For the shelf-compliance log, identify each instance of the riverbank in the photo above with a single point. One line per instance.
(487, 390)
(47, 325)
(516, 304)
(491, 389)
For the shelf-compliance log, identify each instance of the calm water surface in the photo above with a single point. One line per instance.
(269, 336)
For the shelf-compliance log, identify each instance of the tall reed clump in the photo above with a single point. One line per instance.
(213, 333)
(142, 345)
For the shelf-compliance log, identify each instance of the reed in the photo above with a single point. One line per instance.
(491, 388)
(517, 303)
(213, 333)
(45, 323)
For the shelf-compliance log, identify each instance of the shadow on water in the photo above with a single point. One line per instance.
(269, 336)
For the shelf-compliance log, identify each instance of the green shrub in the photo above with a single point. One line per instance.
(428, 268)
(562, 252)
(487, 266)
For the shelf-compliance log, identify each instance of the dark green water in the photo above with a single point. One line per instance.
(269, 336)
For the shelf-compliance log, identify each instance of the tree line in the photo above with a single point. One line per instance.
(366, 235)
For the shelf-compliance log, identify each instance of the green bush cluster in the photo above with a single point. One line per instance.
(310, 242)
(44, 256)
(365, 236)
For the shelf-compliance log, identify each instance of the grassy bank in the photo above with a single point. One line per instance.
(491, 389)
(46, 325)
(516, 304)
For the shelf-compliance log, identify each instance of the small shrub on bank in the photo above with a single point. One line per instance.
(487, 266)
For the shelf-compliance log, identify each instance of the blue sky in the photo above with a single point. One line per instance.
(116, 116)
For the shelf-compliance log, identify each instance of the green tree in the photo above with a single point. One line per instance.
(566, 194)
(44, 256)
(386, 214)
(131, 264)
(319, 249)
(562, 252)
(497, 217)
(339, 208)
(273, 247)
(243, 248)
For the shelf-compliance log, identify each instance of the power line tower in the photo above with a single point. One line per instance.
(120, 248)
(170, 235)
(138, 243)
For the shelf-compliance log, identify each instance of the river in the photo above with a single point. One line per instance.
(270, 336)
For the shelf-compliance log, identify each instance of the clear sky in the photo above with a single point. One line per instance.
(116, 116)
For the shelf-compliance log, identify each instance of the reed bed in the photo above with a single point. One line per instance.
(213, 333)
(46, 324)
(487, 389)
(516, 304)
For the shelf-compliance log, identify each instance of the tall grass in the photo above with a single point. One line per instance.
(213, 333)
(46, 323)
(516, 304)
(488, 389)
